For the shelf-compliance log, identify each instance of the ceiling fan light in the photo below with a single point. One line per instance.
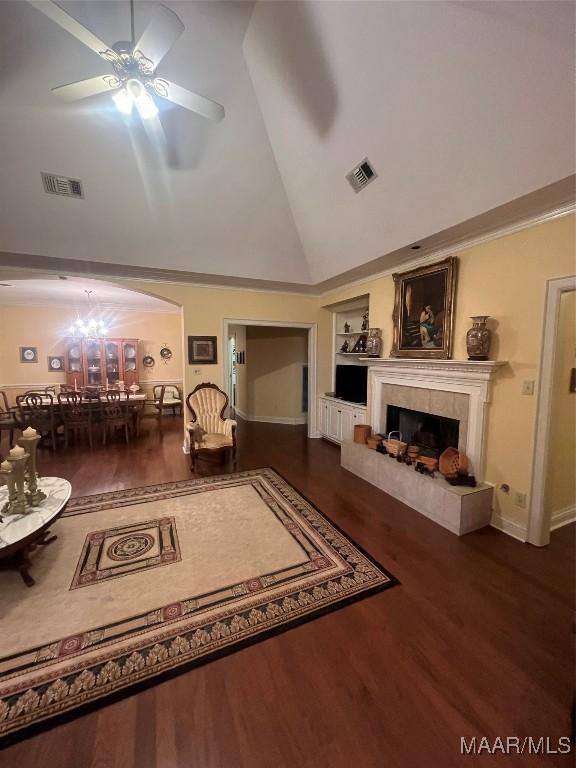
(146, 106)
(123, 101)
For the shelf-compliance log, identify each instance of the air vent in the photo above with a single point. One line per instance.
(361, 176)
(62, 185)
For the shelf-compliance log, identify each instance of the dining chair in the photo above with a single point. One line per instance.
(36, 409)
(171, 398)
(76, 416)
(8, 421)
(156, 404)
(115, 415)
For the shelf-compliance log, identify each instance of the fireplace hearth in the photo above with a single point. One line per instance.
(440, 403)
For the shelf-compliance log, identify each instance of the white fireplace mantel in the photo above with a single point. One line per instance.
(472, 378)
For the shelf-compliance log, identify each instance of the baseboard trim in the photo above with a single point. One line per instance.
(291, 420)
(511, 527)
(563, 517)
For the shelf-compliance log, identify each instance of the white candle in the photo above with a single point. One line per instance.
(16, 452)
(29, 432)
(6, 466)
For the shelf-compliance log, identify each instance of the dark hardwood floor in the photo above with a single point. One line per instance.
(476, 641)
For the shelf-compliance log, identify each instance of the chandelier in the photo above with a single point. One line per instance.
(91, 327)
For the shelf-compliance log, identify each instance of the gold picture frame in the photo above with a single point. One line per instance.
(424, 311)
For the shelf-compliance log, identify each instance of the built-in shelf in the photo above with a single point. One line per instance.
(352, 333)
(352, 354)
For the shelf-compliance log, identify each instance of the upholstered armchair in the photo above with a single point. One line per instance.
(208, 429)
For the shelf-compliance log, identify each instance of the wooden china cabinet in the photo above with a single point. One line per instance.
(95, 362)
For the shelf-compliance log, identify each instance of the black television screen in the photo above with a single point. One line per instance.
(352, 383)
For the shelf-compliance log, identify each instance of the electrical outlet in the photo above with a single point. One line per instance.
(520, 500)
(197, 371)
(528, 387)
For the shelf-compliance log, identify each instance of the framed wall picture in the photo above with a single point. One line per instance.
(202, 349)
(28, 355)
(424, 311)
(56, 363)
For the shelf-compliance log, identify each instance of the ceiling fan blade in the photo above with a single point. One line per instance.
(188, 99)
(159, 36)
(59, 16)
(84, 88)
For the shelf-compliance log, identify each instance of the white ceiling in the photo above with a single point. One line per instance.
(71, 293)
(218, 205)
(461, 106)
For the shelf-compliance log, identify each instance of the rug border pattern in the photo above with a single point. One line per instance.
(105, 679)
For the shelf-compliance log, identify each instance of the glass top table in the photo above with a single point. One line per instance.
(20, 534)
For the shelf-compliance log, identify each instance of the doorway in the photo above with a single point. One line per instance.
(553, 493)
(275, 367)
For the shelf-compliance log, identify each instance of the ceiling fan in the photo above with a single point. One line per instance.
(134, 81)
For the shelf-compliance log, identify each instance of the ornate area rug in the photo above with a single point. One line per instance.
(145, 582)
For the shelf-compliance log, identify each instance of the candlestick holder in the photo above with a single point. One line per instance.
(34, 495)
(7, 477)
(19, 505)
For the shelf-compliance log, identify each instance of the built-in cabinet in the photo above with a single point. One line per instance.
(98, 362)
(337, 418)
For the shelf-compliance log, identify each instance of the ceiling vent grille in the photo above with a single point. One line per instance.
(62, 185)
(361, 176)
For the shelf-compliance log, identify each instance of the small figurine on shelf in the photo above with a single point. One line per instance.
(360, 345)
(345, 348)
(364, 321)
(346, 327)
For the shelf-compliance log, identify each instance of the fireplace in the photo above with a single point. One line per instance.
(431, 433)
(443, 403)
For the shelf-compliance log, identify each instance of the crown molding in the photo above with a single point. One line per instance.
(102, 306)
(449, 250)
(399, 260)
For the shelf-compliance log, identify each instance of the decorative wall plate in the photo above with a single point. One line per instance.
(148, 361)
(55, 363)
(28, 355)
(166, 353)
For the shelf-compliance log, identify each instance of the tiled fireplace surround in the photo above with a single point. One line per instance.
(453, 389)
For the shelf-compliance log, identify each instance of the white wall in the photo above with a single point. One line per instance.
(461, 106)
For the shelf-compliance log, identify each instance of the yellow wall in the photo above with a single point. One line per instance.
(45, 327)
(561, 473)
(506, 279)
(275, 358)
(205, 309)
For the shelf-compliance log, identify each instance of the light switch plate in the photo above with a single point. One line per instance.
(197, 371)
(528, 387)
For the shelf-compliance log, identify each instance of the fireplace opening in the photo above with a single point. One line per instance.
(431, 433)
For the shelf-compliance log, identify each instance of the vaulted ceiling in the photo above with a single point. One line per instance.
(460, 106)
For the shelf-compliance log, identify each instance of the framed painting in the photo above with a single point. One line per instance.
(202, 349)
(424, 311)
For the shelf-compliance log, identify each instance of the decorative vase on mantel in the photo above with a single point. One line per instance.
(374, 342)
(478, 338)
